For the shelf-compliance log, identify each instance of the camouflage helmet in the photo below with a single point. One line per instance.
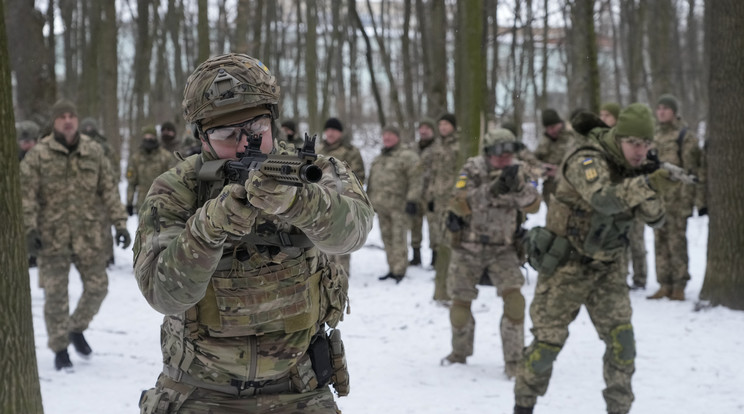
(27, 131)
(499, 141)
(224, 88)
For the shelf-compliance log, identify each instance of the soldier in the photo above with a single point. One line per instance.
(609, 112)
(65, 177)
(677, 145)
(394, 187)
(240, 270)
(424, 149)
(338, 146)
(289, 134)
(148, 162)
(551, 149)
(169, 139)
(601, 188)
(438, 193)
(27, 132)
(482, 218)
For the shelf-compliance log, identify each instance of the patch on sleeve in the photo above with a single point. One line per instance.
(590, 171)
(462, 180)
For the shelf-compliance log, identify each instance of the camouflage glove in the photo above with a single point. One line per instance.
(661, 181)
(33, 242)
(268, 195)
(411, 208)
(122, 237)
(130, 210)
(229, 212)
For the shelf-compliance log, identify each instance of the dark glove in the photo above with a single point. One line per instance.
(130, 210)
(702, 211)
(507, 182)
(33, 242)
(123, 238)
(430, 206)
(31, 261)
(454, 222)
(411, 208)
(652, 162)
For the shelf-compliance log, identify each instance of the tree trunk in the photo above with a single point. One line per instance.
(437, 88)
(20, 391)
(241, 26)
(582, 57)
(410, 111)
(142, 56)
(387, 64)
(203, 30)
(109, 74)
(724, 277)
(661, 60)
(370, 63)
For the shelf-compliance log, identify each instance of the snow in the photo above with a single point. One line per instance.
(688, 362)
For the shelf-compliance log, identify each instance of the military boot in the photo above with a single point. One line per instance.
(678, 293)
(62, 360)
(386, 277)
(523, 410)
(80, 344)
(663, 292)
(416, 261)
(453, 358)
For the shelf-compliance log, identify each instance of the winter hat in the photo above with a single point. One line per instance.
(149, 130)
(428, 122)
(636, 120)
(670, 101)
(449, 118)
(550, 117)
(612, 108)
(333, 123)
(392, 129)
(63, 106)
(167, 125)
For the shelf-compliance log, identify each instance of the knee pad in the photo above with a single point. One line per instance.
(460, 314)
(514, 304)
(541, 356)
(623, 344)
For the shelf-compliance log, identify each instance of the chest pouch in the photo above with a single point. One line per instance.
(545, 250)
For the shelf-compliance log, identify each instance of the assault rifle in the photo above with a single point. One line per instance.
(675, 173)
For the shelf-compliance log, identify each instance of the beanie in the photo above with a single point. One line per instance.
(168, 125)
(290, 125)
(429, 122)
(670, 101)
(333, 123)
(149, 129)
(449, 118)
(392, 129)
(63, 106)
(612, 108)
(550, 117)
(636, 120)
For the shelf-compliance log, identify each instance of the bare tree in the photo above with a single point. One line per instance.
(311, 64)
(203, 30)
(370, 63)
(109, 73)
(387, 65)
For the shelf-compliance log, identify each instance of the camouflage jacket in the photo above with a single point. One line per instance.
(143, 167)
(394, 179)
(244, 308)
(552, 151)
(489, 219)
(689, 157)
(442, 173)
(425, 150)
(112, 155)
(596, 200)
(63, 190)
(345, 151)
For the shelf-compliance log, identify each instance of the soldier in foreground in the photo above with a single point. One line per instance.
(240, 270)
(149, 161)
(66, 176)
(482, 218)
(601, 188)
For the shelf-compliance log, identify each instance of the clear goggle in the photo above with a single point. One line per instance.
(503, 147)
(257, 126)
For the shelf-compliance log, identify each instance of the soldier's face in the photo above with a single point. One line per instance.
(554, 130)
(167, 134)
(664, 114)
(445, 128)
(287, 131)
(227, 141)
(500, 161)
(332, 135)
(66, 124)
(425, 132)
(635, 150)
(389, 139)
(607, 118)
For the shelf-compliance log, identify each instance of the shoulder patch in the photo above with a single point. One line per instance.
(462, 180)
(590, 171)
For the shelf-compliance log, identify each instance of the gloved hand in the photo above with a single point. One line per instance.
(130, 210)
(33, 242)
(268, 195)
(454, 222)
(122, 238)
(507, 182)
(230, 211)
(411, 208)
(702, 211)
(661, 182)
(430, 206)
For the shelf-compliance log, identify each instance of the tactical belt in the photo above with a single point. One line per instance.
(236, 387)
(280, 239)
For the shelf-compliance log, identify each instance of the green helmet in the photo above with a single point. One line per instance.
(27, 131)
(499, 141)
(224, 89)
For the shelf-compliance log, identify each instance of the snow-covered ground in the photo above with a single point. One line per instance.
(688, 362)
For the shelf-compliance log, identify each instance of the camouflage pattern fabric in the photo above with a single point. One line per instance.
(143, 167)
(343, 150)
(638, 251)
(63, 190)
(107, 244)
(243, 309)
(486, 245)
(394, 179)
(424, 150)
(552, 151)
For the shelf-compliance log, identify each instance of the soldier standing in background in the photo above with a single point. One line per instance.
(289, 134)
(424, 149)
(170, 141)
(600, 190)
(394, 187)
(240, 270)
(65, 177)
(678, 145)
(337, 145)
(148, 162)
(482, 218)
(27, 132)
(551, 149)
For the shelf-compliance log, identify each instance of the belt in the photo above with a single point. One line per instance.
(236, 387)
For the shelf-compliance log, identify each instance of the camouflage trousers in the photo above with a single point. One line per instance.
(417, 222)
(54, 271)
(343, 260)
(170, 396)
(602, 289)
(670, 242)
(466, 266)
(394, 227)
(638, 251)
(107, 246)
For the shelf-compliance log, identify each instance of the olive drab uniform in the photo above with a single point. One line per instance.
(424, 149)
(241, 312)
(552, 151)
(485, 243)
(63, 188)
(142, 169)
(345, 151)
(579, 264)
(670, 241)
(394, 179)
